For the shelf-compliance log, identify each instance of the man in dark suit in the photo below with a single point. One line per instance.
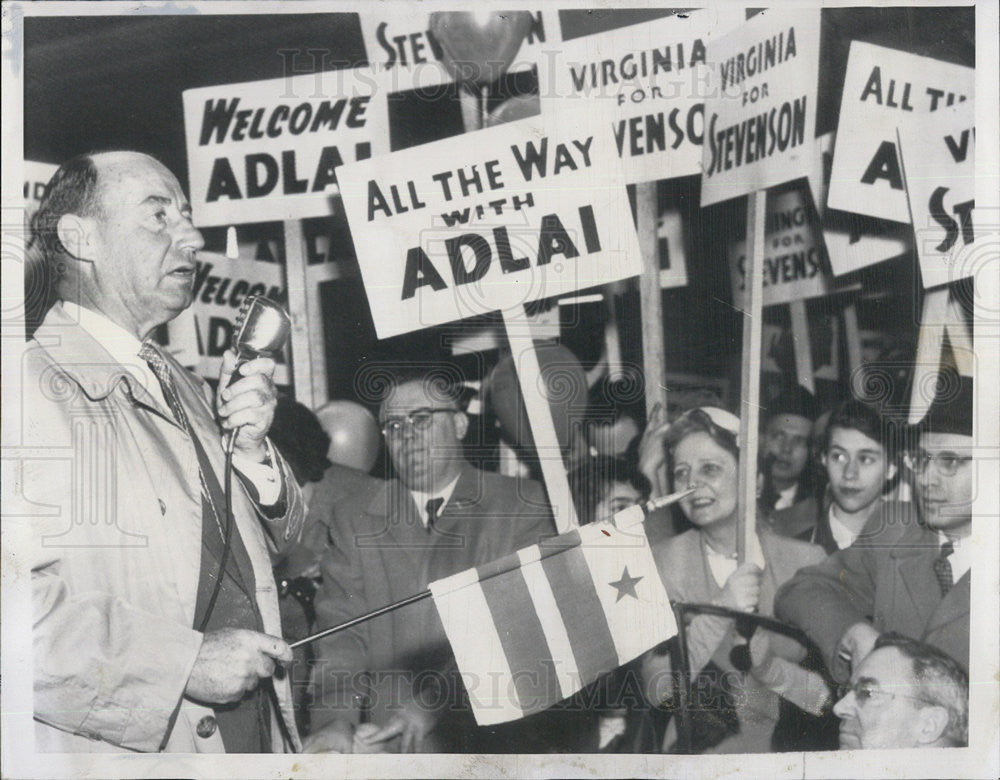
(785, 447)
(439, 515)
(904, 573)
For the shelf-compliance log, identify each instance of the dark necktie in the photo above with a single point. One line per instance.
(433, 512)
(942, 567)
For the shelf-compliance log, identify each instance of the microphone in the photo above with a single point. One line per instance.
(262, 328)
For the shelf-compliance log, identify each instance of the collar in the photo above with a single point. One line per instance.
(84, 358)
(842, 535)
(786, 497)
(722, 566)
(422, 498)
(120, 344)
(961, 558)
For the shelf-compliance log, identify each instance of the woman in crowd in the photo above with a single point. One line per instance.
(735, 711)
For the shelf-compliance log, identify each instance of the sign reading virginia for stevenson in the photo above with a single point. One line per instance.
(761, 120)
(270, 150)
(939, 163)
(488, 221)
(649, 82)
(885, 89)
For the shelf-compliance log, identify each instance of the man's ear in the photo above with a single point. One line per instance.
(78, 236)
(932, 721)
(461, 424)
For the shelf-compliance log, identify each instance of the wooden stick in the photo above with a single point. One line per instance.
(928, 360)
(547, 446)
(295, 276)
(750, 376)
(803, 349)
(650, 296)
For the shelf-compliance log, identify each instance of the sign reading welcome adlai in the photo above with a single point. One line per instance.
(761, 120)
(489, 221)
(885, 89)
(794, 263)
(649, 82)
(404, 48)
(271, 150)
(939, 158)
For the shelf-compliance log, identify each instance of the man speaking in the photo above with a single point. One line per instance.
(135, 647)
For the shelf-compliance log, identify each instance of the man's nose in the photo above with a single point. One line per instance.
(851, 469)
(843, 705)
(188, 237)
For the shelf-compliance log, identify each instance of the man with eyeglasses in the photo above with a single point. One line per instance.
(437, 516)
(905, 694)
(906, 572)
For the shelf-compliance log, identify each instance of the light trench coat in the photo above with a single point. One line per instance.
(112, 504)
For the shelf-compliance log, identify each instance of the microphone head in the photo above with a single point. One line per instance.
(262, 327)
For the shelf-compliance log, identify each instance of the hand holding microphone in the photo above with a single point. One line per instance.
(247, 397)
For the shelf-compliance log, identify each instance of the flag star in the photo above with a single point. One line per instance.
(625, 586)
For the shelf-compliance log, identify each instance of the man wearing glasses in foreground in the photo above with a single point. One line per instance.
(904, 573)
(905, 694)
(439, 515)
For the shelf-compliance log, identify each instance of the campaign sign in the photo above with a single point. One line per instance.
(760, 121)
(852, 241)
(489, 221)
(206, 329)
(649, 82)
(886, 89)
(939, 158)
(404, 48)
(271, 150)
(794, 262)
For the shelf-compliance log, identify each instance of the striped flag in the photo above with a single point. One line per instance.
(534, 627)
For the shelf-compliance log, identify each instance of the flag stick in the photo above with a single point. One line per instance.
(803, 349)
(553, 549)
(746, 519)
(522, 349)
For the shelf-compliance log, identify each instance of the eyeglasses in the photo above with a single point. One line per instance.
(417, 420)
(946, 463)
(865, 691)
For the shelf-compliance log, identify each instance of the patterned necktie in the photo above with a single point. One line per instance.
(433, 509)
(942, 567)
(159, 367)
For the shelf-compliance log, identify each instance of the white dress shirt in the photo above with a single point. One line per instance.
(786, 497)
(842, 535)
(961, 558)
(422, 499)
(124, 349)
(722, 566)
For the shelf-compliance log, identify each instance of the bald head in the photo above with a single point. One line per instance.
(119, 226)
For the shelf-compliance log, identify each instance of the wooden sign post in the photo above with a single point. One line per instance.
(759, 132)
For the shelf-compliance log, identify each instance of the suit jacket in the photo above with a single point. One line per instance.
(807, 520)
(688, 578)
(380, 553)
(112, 503)
(887, 578)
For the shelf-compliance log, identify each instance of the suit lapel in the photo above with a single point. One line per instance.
(954, 606)
(914, 568)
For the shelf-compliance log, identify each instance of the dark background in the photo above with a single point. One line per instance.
(108, 82)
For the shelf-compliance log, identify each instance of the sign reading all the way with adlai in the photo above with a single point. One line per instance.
(761, 121)
(489, 221)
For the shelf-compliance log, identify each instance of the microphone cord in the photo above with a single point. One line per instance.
(227, 531)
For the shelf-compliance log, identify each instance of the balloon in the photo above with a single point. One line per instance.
(354, 434)
(479, 46)
(565, 386)
(517, 107)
